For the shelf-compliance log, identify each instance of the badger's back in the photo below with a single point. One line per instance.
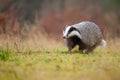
(90, 32)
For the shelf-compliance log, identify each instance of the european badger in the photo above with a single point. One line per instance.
(87, 35)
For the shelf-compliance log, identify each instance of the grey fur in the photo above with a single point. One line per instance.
(91, 37)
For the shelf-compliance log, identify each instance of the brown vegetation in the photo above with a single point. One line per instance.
(9, 23)
(54, 21)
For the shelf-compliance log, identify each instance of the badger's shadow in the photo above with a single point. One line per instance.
(73, 52)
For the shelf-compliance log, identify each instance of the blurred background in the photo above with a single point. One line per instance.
(48, 17)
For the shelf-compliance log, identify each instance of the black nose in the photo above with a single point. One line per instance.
(64, 37)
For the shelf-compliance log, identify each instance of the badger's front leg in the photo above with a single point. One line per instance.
(70, 44)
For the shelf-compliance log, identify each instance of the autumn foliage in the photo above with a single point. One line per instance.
(54, 22)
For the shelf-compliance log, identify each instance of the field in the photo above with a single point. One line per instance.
(33, 60)
(32, 48)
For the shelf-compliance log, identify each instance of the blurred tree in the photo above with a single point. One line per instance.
(101, 11)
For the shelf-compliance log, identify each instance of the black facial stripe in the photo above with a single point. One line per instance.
(77, 30)
(72, 29)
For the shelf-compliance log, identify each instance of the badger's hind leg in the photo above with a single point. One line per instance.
(90, 49)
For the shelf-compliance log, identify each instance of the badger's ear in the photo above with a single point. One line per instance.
(65, 27)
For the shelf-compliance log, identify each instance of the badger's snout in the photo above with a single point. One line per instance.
(64, 37)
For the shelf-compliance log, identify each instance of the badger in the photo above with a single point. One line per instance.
(87, 35)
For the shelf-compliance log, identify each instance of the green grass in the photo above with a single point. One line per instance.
(58, 64)
(5, 54)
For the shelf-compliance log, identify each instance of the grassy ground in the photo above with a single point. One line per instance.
(58, 64)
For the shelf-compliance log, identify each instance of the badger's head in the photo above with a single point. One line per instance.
(71, 31)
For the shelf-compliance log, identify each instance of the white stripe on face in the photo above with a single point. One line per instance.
(75, 33)
(65, 33)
